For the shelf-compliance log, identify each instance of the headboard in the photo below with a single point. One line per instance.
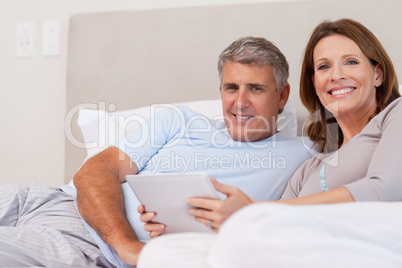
(135, 58)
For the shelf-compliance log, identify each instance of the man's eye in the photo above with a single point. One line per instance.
(231, 88)
(256, 88)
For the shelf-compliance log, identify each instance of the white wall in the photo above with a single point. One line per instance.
(32, 90)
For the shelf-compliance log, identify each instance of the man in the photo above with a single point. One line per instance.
(244, 151)
(254, 88)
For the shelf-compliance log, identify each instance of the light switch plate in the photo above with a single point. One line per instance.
(24, 45)
(51, 38)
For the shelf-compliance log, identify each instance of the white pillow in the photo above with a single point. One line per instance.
(100, 129)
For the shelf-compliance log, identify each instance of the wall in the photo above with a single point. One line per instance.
(32, 90)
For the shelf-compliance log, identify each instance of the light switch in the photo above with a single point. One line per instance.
(51, 38)
(25, 40)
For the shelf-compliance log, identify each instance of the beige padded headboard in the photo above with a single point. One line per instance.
(134, 58)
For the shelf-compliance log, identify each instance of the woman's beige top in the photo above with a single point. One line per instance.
(369, 165)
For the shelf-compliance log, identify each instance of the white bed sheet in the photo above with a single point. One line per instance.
(366, 234)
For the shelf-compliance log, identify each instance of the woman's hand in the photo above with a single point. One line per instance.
(217, 211)
(155, 229)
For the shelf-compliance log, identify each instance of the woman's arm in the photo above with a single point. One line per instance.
(218, 211)
(338, 195)
(383, 180)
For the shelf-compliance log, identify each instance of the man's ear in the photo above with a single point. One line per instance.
(379, 76)
(284, 96)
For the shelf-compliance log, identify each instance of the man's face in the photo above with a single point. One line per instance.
(251, 101)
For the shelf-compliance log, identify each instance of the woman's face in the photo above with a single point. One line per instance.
(344, 78)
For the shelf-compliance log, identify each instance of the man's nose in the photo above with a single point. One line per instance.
(243, 99)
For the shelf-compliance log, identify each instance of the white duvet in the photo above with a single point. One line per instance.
(365, 234)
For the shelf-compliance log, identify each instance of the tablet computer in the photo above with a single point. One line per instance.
(167, 195)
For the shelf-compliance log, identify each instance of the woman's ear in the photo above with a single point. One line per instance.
(379, 76)
(312, 79)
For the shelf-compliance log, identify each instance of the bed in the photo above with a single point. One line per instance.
(121, 63)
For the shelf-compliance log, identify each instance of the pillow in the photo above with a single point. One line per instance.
(100, 128)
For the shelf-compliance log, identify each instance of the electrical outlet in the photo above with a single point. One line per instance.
(25, 40)
(51, 38)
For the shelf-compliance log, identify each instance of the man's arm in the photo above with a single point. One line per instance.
(100, 200)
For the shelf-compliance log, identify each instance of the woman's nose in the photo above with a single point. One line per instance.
(337, 73)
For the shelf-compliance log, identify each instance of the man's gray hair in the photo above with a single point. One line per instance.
(259, 51)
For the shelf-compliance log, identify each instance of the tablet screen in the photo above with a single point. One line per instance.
(167, 195)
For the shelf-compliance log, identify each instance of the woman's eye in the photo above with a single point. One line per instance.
(352, 62)
(322, 67)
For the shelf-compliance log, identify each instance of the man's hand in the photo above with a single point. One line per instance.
(218, 211)
(154, 229)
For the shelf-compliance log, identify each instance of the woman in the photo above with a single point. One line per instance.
(347, 81)
(350, 88)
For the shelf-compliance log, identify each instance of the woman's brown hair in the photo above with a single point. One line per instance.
(322, 128)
